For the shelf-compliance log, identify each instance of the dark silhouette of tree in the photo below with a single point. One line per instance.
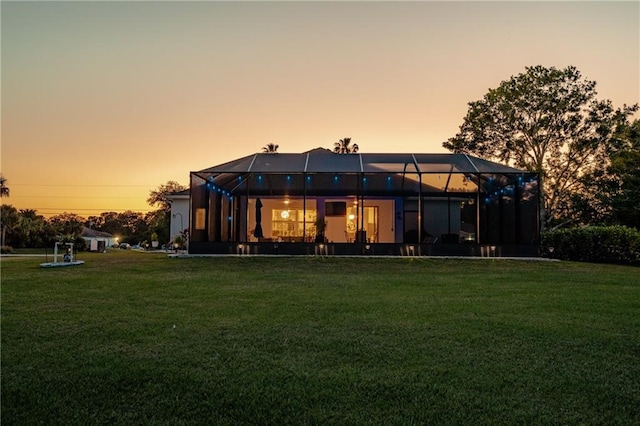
(9, 221)
(131, 227)
(549, 121)
(34, 230)
(625, 164)
(344, 146)
(616, 193)
(270, 148)
(67, 224)
(159, 221)
(158, 196)
(4, 189)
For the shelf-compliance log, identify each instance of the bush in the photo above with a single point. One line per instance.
(79, 243)
(602, 244)
(6, 249)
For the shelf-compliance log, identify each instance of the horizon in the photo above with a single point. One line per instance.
(104, 102)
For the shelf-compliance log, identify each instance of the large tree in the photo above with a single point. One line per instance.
(344, 146)
(159, 221)
(549, 121)
(625, 170)
(158, 196)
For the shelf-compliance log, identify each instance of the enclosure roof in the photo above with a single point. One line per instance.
(321, 160)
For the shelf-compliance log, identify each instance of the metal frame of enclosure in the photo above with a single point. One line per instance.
(322, 203)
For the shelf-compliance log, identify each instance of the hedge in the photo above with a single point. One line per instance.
(601, 244)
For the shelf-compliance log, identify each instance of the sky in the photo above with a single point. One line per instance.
(104, 101)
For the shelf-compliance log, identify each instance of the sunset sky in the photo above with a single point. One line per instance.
(104, 101)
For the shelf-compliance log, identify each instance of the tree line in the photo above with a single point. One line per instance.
(25, 228)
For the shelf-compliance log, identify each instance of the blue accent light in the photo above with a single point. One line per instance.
(229, 218)
(309, 178)
(335, 178)
(288, 177)
(260, 177)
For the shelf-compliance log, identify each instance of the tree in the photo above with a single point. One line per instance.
(625, 166)
(34, 230)
(4, 189)
(612, 195)
(158, 222)
(548, 121)
(9, 222)
(343, 146)
(270, 148)
(67, 224)
(134, 226)
(158, 196)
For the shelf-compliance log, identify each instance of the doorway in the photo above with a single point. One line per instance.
(370, 223)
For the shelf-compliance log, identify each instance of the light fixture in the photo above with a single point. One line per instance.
(352, 216)
(284, 214)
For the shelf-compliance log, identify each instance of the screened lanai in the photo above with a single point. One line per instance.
(384, 204)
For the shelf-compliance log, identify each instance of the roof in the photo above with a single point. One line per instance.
(179, 194)
(93, 233)
(323, 172)
(321, 160)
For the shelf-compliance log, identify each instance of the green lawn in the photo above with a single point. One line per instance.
(138, 338)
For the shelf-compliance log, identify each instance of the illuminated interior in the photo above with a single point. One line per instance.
(322, 197)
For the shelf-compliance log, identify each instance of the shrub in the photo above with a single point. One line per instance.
(79, 243)
(6, 249)
(603, 244)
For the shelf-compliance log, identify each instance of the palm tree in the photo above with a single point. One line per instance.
(343, 146)
(270, 148)
(4, 189)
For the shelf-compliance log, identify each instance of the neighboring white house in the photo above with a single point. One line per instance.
(97, 240)
(179, 212)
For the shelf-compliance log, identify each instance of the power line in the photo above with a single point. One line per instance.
(80, 186)
(76, 209)
(75, 196)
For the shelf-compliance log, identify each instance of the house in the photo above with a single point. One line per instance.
(179, 212)
(381, 204)
(97, 240)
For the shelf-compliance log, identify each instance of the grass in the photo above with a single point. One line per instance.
(134, 337)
